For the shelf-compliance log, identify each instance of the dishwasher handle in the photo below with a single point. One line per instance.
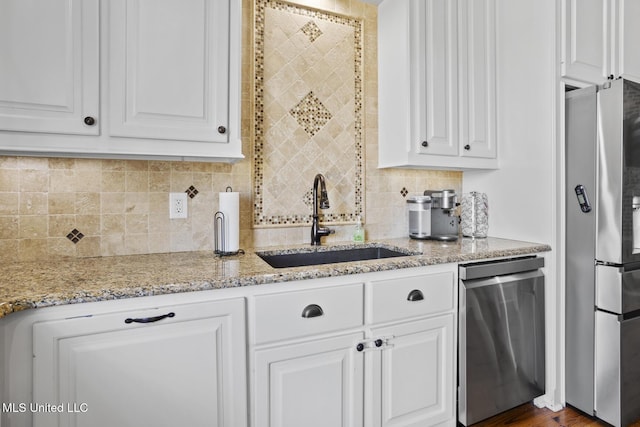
(500, 267)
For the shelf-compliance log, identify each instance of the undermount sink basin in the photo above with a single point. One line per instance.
(331, 256)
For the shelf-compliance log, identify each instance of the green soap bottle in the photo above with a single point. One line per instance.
(358, 231)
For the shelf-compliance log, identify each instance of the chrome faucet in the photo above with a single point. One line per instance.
(316, 231)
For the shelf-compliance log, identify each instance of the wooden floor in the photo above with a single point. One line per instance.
(529, 415)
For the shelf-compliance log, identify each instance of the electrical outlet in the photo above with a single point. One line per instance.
(177, 205)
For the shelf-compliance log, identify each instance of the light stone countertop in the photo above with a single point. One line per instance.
(41, 284)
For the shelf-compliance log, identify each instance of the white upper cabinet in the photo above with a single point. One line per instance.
(161, 84)
(49, 59)
(143, 78)
(599, 38)
(437, 84)
(587, 40)
(628, 35)
(434, 76)
(478, 79)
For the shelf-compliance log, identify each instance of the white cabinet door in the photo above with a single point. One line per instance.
(438, 96)
(313, 384)
(435, 76)
(49, 52)
(587, 40)
(169, 69)
(478, 78)
(600, 38)
(185, 368)
(414, 374)
(628, 35)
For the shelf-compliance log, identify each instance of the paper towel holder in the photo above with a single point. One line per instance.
(218, 236)
(219, 233)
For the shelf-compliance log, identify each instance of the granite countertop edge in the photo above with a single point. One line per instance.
(30, 285)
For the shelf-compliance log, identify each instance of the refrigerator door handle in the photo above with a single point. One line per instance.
(608, 264)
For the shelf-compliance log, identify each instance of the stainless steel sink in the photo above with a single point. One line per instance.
(331, 256)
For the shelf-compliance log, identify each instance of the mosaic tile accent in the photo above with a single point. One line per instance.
(308, 88)
(191, 192)
(308, 198)
(311, 114)
(404, 191)
(75, 236)
(311, 30)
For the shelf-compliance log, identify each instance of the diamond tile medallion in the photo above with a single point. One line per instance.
(308, 113)
(311, 30)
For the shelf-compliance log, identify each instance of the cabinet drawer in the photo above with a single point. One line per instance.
(412, 296)
(301, 313)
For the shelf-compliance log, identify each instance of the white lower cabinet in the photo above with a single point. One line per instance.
(167, 366)
(312, 372)
(313, 384)
(394, 366)
(375, 349)
(413, 374)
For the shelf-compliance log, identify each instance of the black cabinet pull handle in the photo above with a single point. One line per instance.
(312, 310)
(360, 347)
(467, 147)
(378, 342)
(425, 143)
(89, 121)
(222, 129)
(149, 319)
(415, 295)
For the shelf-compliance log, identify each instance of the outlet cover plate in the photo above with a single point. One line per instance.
(177, 205)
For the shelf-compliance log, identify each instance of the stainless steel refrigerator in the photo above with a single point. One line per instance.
(603, 251)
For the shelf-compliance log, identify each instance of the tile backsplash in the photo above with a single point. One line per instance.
(80, 207)
(308, 113)
(59, 207)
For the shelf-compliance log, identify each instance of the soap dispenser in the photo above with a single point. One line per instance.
(358, 231)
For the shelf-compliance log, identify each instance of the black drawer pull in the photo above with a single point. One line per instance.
(149, 319)
(312, 310)
(415, 295)
(360, 347)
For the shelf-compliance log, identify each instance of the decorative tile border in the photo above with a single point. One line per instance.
(311, 114)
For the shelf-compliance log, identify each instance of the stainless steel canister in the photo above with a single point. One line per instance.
(419, 217)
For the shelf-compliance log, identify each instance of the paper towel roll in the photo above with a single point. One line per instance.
(230, 207)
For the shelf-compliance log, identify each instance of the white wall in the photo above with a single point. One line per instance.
(522, 193)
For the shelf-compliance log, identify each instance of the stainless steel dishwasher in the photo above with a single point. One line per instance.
(501, 347)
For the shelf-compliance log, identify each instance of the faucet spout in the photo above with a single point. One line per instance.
(316, 230)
